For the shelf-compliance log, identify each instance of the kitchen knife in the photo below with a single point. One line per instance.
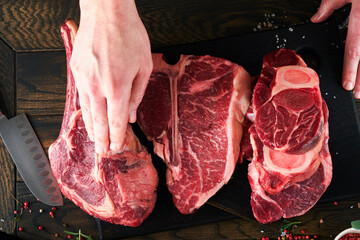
(30, 159)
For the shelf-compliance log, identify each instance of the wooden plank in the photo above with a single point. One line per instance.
(35, 25)
(7, 83)
(69, 214)
(41, 83)
(7, 186)
(7, 169)
(26, 28)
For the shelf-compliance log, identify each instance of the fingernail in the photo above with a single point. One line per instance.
(357, 94)
(115, 147)
(132, 117)
(100, 150)
(315, 17)
(349, 85)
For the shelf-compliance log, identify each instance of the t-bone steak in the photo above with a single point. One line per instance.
(291, 165)
(193, 113)
(118, 188)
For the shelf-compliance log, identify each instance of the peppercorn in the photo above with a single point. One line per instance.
(69, 236)
(15, 212)
(303, 231)
(53, 208)
(56, 234)
(41, 227)
(51, 214)
(21, 229)
(336, 203)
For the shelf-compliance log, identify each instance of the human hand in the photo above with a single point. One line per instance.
(351, 70)
(111, 64)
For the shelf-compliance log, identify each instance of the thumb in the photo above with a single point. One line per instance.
(326, 8)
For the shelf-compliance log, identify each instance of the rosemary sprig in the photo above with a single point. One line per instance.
(288, 225)
(79, 235)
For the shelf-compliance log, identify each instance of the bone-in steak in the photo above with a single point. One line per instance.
(120, 188)
(193, 112)
(291, 165)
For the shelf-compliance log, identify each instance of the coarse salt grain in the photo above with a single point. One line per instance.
(334, 97)
(303, 37)
(2, 220)
(291, 29)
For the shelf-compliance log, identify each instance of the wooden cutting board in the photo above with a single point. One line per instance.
(320, 47)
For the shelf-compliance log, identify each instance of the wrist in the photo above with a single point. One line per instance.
(108, 11)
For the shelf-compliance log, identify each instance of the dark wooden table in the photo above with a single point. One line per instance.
(33, 81)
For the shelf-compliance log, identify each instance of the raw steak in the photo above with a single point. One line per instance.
(120, 188)
(193, 112)
(291, 164)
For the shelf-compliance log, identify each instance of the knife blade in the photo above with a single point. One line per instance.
(30, 159)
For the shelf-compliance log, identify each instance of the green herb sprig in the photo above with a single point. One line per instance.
(79, 235)
(288, 225)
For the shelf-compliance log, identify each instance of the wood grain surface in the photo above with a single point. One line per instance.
(33, 81)
(7, 107)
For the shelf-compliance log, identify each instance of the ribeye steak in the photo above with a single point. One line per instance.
(119, 188)
(193, 112)
(291, 164)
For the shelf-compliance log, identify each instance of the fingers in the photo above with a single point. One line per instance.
(86, 114)
(137, 92)
(118, 119)
(326, 8)
(351, 72)
(100, 123)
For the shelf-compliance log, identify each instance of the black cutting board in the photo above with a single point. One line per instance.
(321, 49)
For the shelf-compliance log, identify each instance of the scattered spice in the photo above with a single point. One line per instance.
(51, 214)
(335, 203)
(69, 236)
(40, 210)
(303, 231)
(15, 212)
(21, 229)
(29, 210)
(321, 220)
(56, 234)
(41, 227)
(53, 208)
